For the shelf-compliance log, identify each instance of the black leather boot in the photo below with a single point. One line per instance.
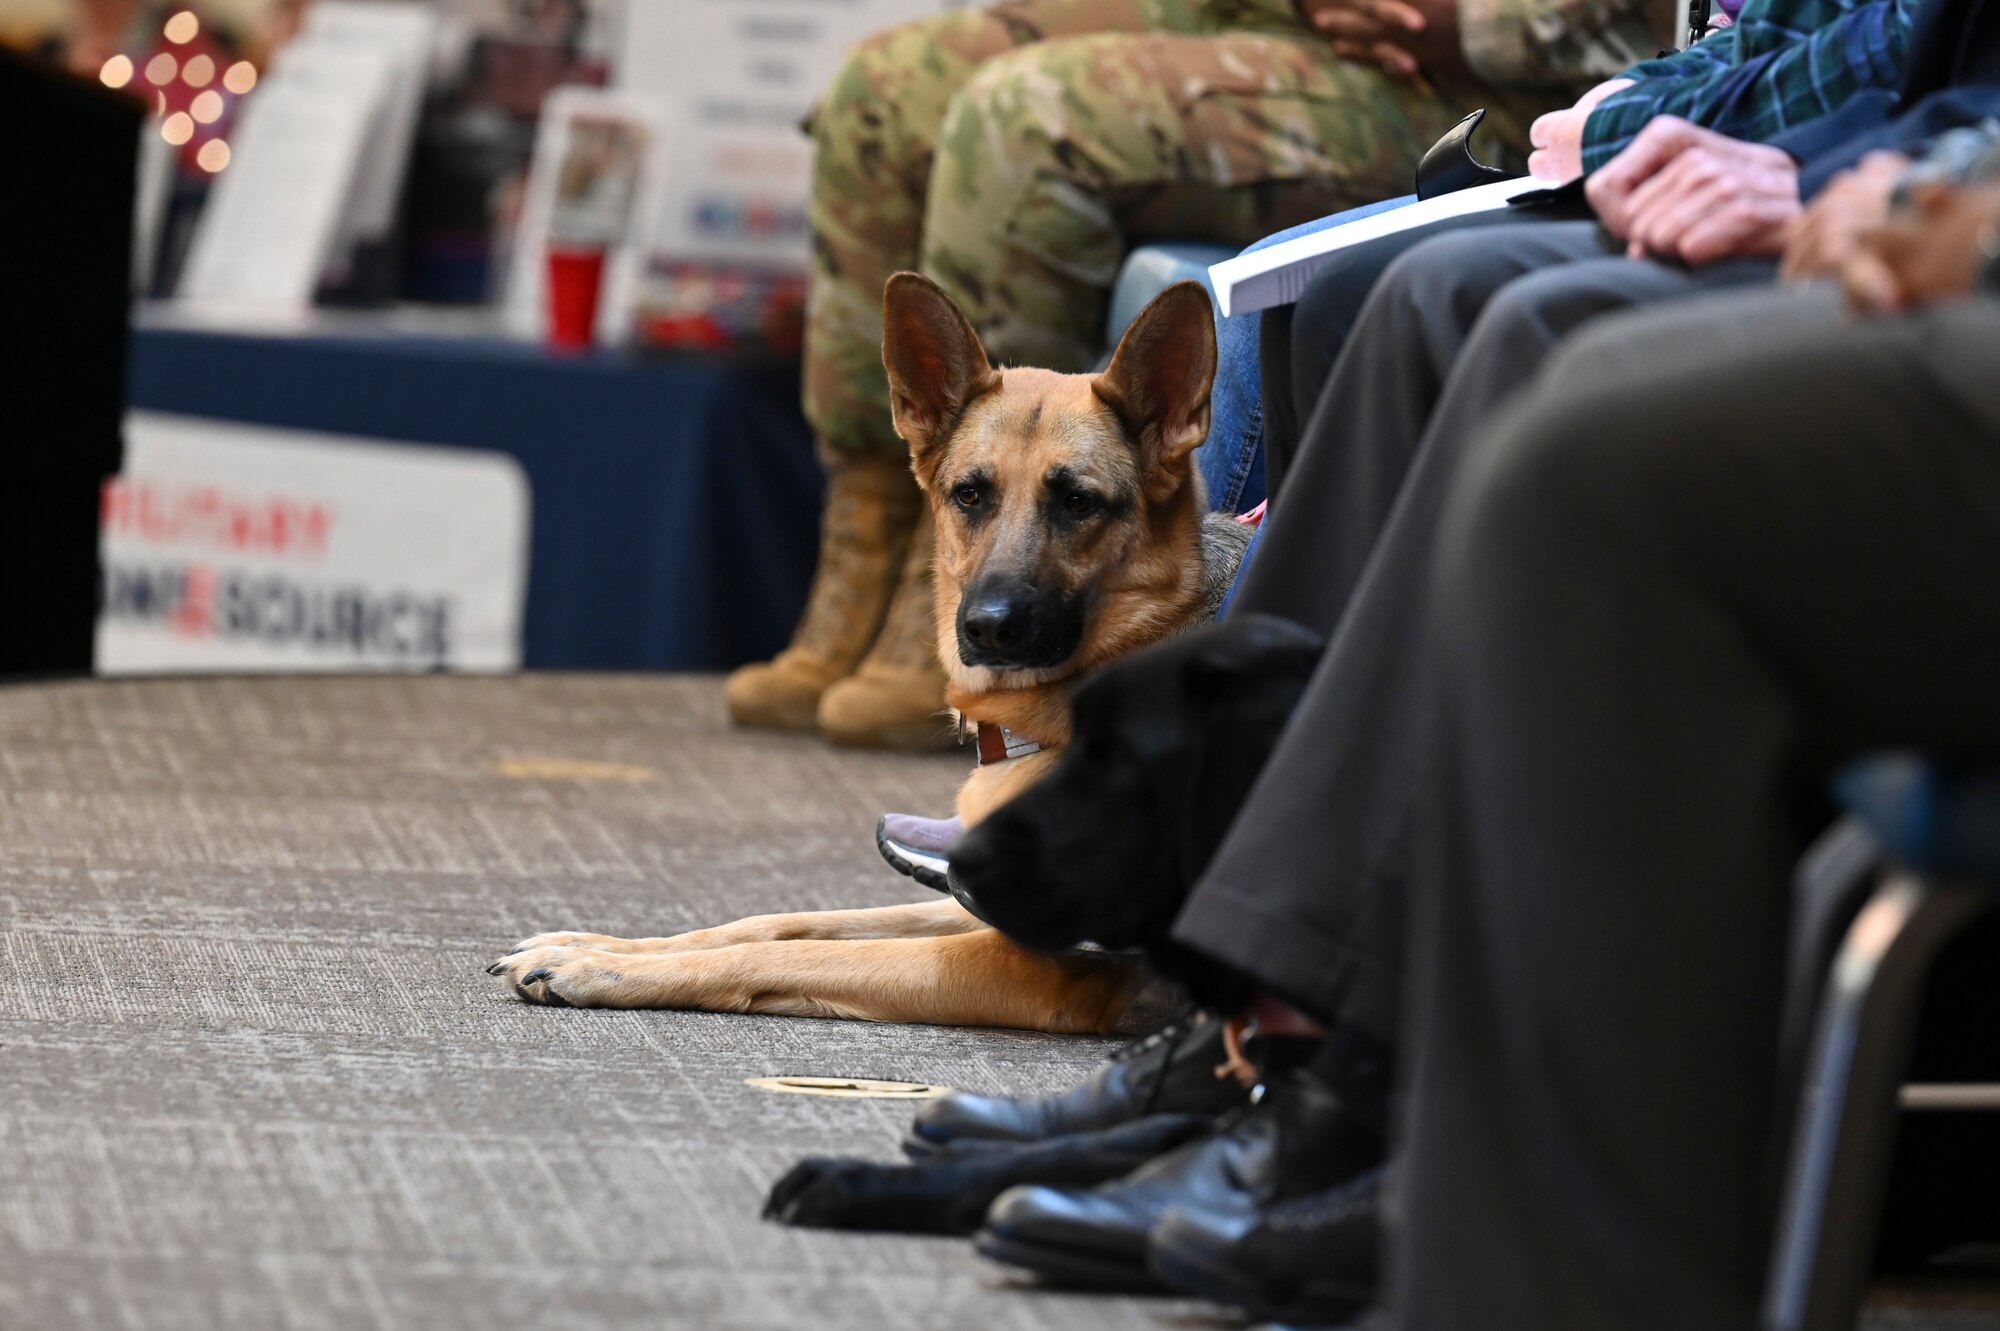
(1315, 1258)
(1169, 1072)
(1298, 1139)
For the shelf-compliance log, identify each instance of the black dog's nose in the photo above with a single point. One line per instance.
(995, 624)
(989, 862)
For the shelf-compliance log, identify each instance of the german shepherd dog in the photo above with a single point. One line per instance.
(1072, 529)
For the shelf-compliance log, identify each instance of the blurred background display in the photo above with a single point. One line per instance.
(451, 320)
(370, 153)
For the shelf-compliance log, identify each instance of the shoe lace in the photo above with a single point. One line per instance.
(1146, 1043)
(1179, 1025)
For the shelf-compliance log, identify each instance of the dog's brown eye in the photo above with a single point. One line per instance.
(966, 496)
(1080, 503)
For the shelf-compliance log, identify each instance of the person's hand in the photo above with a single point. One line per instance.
(1826, 234)
(1683, 192)
(1929, 252)
(1558, 136)
(1402, 37)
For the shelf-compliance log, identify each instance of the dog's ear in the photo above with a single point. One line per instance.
(1250, 640)
(1159, 378)
(935, 363)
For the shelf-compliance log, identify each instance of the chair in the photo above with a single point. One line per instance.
(1940, 830)
(1151, 269)
(1447, 166)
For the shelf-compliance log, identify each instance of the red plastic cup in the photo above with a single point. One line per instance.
(575, 280)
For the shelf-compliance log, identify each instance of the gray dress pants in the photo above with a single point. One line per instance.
(1308, 891)
(1298, 345)
(1718, 548)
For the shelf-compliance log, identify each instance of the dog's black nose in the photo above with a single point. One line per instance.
(995, 624)
(1004, 624)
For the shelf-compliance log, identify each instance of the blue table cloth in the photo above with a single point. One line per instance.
(675, 500)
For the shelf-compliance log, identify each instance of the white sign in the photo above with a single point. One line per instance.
(739, 76)
(247, 548)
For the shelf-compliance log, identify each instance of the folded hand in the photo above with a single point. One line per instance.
(1931, 251)
(1825, 236)
(1687, 193)
(1403, 37)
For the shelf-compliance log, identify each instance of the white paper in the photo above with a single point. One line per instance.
(402, 35)
(1278, 275)
(156, 170)
(275, 215)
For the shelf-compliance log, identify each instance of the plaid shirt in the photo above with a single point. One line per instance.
(1783, 63)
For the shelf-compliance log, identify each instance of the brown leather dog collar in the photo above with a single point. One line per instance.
(997, 744)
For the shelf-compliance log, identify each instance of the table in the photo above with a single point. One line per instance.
(675, 499)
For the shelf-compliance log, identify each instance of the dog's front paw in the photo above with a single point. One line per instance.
(828, 1193)
(570, 938)
(561, 976)
(793, 1199)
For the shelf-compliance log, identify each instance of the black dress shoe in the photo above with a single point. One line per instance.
(1169, 1072)
(1315, 1258)
(1297, 1139)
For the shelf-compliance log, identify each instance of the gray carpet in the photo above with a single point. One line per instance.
(254, 1077)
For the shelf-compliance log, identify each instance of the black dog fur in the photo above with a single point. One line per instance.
(948, 1190)
(1164, 747)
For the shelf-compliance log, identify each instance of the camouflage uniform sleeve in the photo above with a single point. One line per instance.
(1561, 43)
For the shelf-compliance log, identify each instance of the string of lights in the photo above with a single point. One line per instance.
(193, 96)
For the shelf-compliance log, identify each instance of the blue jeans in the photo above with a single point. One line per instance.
(1232, 461)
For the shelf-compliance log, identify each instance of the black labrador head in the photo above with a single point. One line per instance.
(1164, 747)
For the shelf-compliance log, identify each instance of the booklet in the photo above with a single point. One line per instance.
(402, 34)
(274, 218)
(1277, 275)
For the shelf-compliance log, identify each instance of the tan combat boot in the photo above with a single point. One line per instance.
(896, 699)
(872, 504)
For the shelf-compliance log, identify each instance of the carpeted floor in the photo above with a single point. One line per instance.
(254, 1076)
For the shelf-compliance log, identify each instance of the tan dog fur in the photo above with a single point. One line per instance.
(1127, 434)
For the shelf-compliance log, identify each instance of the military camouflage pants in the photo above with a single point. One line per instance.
(1015, 153)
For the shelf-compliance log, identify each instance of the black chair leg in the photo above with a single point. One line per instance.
(1846, 1129)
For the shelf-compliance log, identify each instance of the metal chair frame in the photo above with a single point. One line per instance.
(1846, 1128)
